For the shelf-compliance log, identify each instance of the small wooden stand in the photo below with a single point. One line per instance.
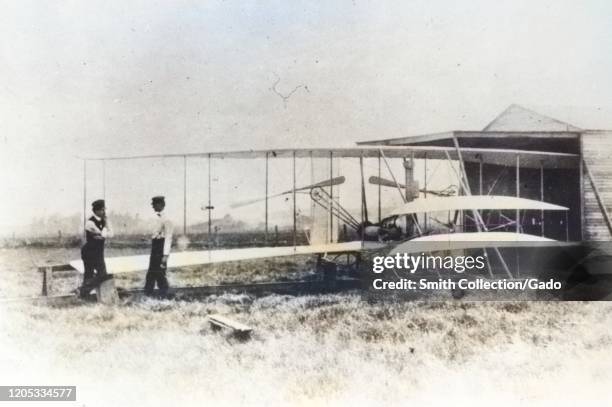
(106, 293)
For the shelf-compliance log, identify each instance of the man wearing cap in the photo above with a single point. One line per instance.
(97, 230)
(160, 249)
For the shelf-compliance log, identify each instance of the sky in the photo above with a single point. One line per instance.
(109, 78)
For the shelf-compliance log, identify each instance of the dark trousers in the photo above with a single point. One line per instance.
(155, 274)
(94, 267)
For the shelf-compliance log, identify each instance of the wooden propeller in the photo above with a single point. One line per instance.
(326, 183)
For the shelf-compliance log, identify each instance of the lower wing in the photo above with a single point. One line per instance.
(126, 264)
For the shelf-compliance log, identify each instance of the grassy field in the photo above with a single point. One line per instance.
(322, 350)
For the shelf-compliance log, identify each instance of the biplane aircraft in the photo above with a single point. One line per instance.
(450, 218)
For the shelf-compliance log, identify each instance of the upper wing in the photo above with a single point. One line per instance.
(529, 159)
(128, 264)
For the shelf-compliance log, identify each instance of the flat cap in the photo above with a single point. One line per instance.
(98, 204)
(158, 199)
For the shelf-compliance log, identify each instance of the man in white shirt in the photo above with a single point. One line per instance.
(160, 249)
(97, 229)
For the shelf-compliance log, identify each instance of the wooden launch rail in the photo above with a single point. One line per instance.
(257, 289)
(327, 284)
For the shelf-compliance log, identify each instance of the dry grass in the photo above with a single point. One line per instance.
(327, 349)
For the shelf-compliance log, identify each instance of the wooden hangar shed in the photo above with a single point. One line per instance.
(577, 173)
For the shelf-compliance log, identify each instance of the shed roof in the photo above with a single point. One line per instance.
(518, 118)
(514, 121)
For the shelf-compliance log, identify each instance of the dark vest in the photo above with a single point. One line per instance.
(95, 244)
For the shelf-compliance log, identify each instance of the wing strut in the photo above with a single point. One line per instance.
(331, 202)
(294, 205)
(266, 199)
(542, 198)
(103, 179)
(364, 204)
(379, 204)
(479, 222)
(209, 207)
(84, 194)
(184, 195)
(518, 192)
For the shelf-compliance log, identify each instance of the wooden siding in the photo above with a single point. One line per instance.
(597, 153)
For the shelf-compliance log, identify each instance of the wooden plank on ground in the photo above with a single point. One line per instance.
(219, 321)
